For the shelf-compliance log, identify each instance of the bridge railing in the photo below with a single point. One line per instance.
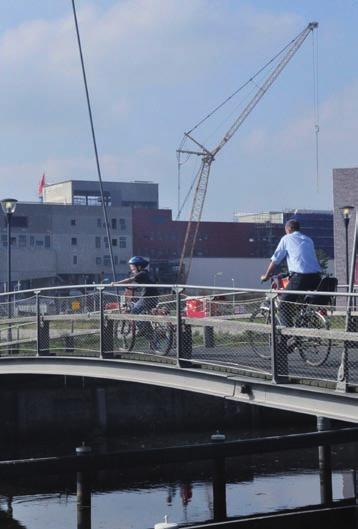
(245, 330)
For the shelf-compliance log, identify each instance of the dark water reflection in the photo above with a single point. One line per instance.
(141, 497)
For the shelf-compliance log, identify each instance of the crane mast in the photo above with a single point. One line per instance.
(208, 157)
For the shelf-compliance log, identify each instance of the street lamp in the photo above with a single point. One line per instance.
(217, 274)
(233, 295)
(8, 206)
(346, 212)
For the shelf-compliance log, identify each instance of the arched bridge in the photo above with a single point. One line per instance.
(228, 343)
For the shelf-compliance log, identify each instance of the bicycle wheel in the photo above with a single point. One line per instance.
(314, 351)
(162, 337)
(125, 333)
(260, 342)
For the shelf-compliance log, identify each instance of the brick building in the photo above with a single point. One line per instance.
(345, 193)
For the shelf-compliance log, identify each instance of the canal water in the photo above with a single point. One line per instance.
(141, 497)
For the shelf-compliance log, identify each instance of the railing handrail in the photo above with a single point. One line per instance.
(173, 287)
(178, 454)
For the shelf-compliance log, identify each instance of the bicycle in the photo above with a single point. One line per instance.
(160, 335)
(314, 350)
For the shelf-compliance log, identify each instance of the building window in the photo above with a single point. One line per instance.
(39, 242)
(79, 201)
(116, 259)
(19, 221)
(73, 222)
(98, 242)
(13, 241)
(98, 260)
(74, 259)
(22, 241)
(122, 242)
(114, 242)
(106, 245)
(114, 224)
(122, 262)
(123, 224)
(106, 260)
(73, 241)
(99, 223)
(47, 241)
(32, 240)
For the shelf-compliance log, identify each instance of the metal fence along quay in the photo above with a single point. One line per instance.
(248, 332)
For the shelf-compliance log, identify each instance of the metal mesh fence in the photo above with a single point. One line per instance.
(72, 327)
(255, 332)
(139, 324)
(219, 330)
(18, 327)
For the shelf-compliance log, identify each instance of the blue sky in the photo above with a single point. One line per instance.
(155, 67)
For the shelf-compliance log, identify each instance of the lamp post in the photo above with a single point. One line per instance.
(233, 295)
(8, 206)
(346, 212)
(217, 274)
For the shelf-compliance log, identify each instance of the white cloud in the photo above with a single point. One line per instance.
(153, 68)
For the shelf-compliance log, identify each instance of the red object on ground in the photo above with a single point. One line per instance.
(200, 308)
(112, 306)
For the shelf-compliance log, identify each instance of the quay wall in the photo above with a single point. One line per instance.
(33, 405)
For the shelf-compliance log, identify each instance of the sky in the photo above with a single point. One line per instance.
(155, 68)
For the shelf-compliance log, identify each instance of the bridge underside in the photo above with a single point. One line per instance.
(290, 397)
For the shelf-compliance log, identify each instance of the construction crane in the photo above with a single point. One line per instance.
(208, 156)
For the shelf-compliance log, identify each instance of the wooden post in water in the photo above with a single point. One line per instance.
(324, 462)
(83, 493)
(219, 482)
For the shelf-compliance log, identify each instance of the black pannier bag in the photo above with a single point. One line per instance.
(327, 284)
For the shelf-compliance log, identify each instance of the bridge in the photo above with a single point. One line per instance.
(226, 342)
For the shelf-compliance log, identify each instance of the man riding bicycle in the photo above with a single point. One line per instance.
(303, 266)
(146, 297)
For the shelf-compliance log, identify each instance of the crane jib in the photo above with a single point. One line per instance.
(208, 157)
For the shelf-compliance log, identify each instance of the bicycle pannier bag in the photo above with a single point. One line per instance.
(327, 284)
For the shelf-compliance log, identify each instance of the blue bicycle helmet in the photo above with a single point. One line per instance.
(137, 260)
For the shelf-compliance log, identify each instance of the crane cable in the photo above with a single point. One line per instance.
(316, 103)
(104, 207)
(245, 84)
(182, 205)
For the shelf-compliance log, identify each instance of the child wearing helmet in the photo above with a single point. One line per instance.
(147, 297)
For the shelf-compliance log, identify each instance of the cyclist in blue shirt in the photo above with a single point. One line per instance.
(303, 266)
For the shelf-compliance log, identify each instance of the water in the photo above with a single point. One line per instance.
(141, 497)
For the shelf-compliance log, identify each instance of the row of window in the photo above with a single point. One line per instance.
(21, 241)
(121, 242)
(91, 199)
(122, 223)
(106, 261)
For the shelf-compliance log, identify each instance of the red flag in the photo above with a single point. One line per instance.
(42, 185)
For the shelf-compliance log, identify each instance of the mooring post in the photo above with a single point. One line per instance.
(324, 462)
(279, 355)
(184, 344)
(83, 492)
(219, 482)
(42, 329)
(209, 337)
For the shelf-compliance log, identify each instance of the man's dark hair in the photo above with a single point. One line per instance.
(293, 224)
